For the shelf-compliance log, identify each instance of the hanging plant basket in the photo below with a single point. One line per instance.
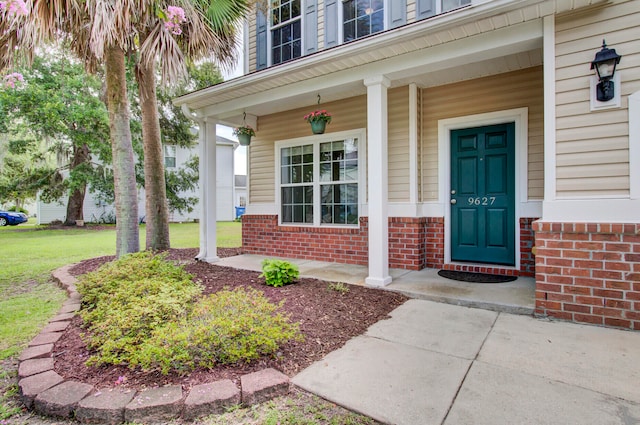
(318, 127)
(244, 134)
(318, 120)
(244, 139)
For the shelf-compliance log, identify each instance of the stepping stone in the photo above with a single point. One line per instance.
(56, 327)
(103, 407)
(32, 386)
(207, 399)
(74, 296)
(45, 338)
(62, 316)
(61, 400)
(156, 405)
(36, 352)
(69, 308)
(34, 366)
(264, 385)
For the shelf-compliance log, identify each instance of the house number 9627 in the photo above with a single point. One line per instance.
(481, 201)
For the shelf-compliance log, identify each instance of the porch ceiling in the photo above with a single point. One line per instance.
(484, 39)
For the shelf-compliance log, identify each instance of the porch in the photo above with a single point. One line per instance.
(515, 297)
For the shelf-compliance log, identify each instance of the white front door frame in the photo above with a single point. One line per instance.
(519, 117)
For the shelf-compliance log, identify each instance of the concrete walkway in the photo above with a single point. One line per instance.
(436, 363)
(433, 363)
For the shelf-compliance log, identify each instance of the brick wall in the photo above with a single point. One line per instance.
(414, 243)
(589, 272)
(407, 243)
(527, 259)
(435, 242)
(262, 235)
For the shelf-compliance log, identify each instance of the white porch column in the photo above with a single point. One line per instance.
(202, 192)
(209, 189)
(377, 170)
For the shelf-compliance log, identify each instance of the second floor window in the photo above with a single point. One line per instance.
(361, 18)
(169, 156)
(286, 30)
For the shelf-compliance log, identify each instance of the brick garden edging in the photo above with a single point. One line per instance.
(46, 392)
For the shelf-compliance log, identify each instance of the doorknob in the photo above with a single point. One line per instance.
(453, 202)
(453, 192)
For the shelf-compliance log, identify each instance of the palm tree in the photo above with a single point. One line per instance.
(209, 30)
(101, 30)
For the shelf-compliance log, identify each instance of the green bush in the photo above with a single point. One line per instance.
(125, 300)
(18, 209)
(223, 328)
(278, 273)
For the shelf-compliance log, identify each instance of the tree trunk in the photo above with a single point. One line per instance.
(156, 209)
(76, 198)
(126, 195)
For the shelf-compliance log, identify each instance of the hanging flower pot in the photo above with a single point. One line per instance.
(244, 134)
(317, 127)
(318, 120)
(244, 139)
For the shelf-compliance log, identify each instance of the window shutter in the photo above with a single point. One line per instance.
(261, 40)
(331, 23)
(426, 8)
(310, 27)
(397, 13)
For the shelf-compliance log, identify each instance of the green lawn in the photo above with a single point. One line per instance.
(28, 255)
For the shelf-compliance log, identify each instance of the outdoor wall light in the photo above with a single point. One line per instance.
(605, 65)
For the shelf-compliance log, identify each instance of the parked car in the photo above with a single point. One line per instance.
(8, 218)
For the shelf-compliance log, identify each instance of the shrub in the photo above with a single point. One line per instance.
(339, 287)
(125, 300)
(16, 208)
(223, 328)
(278, 273)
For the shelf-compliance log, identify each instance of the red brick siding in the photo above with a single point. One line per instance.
(414, 243)
(589, 272)
(435, 242)
(527, 259)
(262, 235)
(407, 243)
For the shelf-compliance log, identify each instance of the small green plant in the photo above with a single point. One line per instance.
(339, 287)
(278, 273)
(223, 328)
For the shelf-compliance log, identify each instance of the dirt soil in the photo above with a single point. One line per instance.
(328, 319)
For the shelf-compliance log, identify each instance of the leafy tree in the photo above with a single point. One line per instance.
(56, 103)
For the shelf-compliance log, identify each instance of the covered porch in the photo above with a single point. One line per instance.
(515, 297)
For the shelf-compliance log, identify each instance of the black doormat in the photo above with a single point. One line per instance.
(476, 277)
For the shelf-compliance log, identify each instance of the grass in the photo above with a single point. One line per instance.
(30, 253)
(298, 408)
(29, 299)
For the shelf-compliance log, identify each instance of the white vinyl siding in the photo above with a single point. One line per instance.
(592, 148)
(496, 93)
(348, 114)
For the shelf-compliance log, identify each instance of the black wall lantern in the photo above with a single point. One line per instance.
(605, 64)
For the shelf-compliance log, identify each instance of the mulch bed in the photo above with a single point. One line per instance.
(328, 319)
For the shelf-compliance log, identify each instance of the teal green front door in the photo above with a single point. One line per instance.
(483, 194)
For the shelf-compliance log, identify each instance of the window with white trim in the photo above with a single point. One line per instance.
(448, 5)
(320, 181)
(169, 156)
(286, 30)
(361, 18)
